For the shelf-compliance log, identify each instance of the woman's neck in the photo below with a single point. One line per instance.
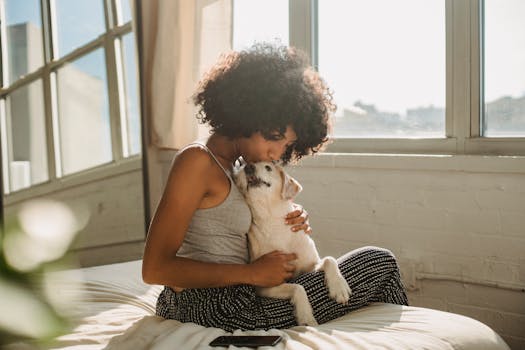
(224, 147)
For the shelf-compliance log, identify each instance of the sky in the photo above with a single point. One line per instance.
(387, 56)
(504, 48)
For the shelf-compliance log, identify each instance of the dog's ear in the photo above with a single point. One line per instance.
(290, 187)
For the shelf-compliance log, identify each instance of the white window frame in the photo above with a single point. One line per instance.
(109, 40)
(463, 87)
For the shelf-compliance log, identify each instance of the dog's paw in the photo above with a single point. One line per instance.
(339, 290)
(304, 314)
(306, 319)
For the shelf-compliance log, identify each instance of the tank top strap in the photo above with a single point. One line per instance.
(203, 146)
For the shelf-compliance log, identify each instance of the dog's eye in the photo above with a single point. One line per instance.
(268, 168)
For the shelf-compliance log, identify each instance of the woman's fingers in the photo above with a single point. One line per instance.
(299, 216)
(289, 267)
(291, 256)
(293, 215)
(302, 223)
(307, 229)
(298, 219)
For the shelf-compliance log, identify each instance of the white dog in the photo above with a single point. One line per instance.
(269, 191)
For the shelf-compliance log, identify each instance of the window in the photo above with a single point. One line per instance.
(251, 21)
(124, 15)
(131, 131)
(504, 69)
(23, 34)
(78, 22)
(69, 94)
(27, 158)
(83, 113)
(388, 76)
(411, 76)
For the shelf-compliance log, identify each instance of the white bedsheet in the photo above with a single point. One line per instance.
(117, 309)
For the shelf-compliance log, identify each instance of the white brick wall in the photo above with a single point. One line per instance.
(115, 230)
(456, 224)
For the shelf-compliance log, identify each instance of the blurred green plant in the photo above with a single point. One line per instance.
(33, 244)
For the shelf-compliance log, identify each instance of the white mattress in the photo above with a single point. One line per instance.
(116, 311)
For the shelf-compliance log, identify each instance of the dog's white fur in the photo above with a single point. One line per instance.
(269, 191)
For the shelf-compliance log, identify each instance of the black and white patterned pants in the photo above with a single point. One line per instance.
(371, 272)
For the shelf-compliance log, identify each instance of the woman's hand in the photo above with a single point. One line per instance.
(299, 219)
(272, 269)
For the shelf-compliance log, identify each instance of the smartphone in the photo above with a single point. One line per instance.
(251, 341)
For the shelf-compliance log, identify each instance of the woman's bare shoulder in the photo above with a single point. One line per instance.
(188, 178)
(192, 158)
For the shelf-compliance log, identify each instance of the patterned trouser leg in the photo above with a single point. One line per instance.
(371, 272)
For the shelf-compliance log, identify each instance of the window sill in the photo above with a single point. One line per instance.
(494, 146)
(90, 175)
(433, 162)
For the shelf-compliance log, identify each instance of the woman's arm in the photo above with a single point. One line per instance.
(269, 270)
(186, 187)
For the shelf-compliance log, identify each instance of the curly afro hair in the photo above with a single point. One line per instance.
(264, 89)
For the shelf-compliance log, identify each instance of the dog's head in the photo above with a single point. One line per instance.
(266, 180)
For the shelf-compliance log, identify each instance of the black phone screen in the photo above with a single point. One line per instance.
(246, 340)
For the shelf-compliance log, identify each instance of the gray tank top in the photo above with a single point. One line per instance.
(219, 234)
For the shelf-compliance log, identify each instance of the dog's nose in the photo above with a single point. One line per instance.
(249, 169)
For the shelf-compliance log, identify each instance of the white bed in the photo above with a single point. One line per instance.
(116, 311)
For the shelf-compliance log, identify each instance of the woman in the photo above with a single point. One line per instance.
(264, 104)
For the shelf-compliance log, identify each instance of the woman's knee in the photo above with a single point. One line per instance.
(379, 251)
(366, 254)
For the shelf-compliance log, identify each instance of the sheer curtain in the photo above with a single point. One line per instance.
(181, 40)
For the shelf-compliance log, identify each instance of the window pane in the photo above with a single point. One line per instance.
(385, 62)
(24, 37)
(132, 100)
(504, 83)
(78, 22)
(26, 130)
(259, 20)
(125, 11)
(83, 113)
